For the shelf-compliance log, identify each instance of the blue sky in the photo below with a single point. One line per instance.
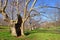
(45, 3)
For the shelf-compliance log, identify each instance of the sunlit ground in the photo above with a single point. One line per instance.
(37, 34)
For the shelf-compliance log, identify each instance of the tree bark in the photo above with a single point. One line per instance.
(12, 29)
(22, 29)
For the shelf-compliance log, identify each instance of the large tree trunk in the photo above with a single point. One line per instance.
(17, 28)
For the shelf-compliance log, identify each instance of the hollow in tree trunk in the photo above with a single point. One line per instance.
(17, 29)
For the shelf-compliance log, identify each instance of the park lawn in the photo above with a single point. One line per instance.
(38, 34)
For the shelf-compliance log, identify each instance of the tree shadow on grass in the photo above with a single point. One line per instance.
(27, 33)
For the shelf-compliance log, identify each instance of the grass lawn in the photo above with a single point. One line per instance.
(37, 34)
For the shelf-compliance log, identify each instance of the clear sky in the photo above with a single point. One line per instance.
(47, 10)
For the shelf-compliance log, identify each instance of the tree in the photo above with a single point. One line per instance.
(17, 26)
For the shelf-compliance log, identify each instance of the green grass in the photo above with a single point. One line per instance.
(44, 36)
(37, 34)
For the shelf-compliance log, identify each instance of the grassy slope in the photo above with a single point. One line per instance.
(38, 34)
(44, 36)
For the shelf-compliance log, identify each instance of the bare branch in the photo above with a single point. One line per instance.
(48, 7)
(18, 7)
(0, 3)
(6, 17)
(27, 2)
(31, 9)
(5, 4)
(25, 9)
(33, 5)
(0, 6)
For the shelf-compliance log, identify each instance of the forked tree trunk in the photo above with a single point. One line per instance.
(17, 29)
